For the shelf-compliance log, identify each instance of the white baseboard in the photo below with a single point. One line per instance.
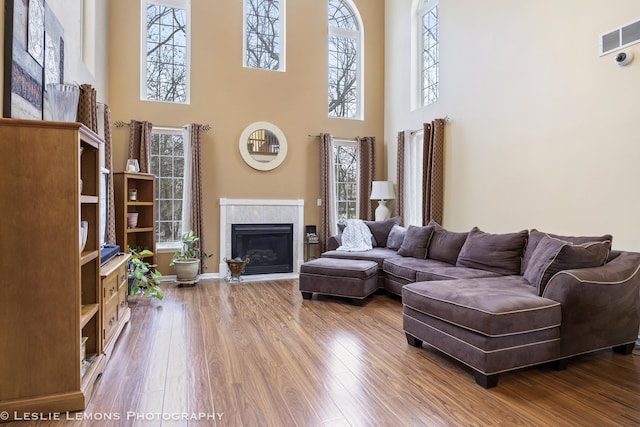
(249, 278)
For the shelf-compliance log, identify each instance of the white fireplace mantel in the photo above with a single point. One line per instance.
(261, 211)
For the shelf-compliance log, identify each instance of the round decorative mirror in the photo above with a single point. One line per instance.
(263, 146)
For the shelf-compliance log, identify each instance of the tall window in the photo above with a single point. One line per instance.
(264, 34)
(345, 60)
(429, 52)
(168, 165)
(345, 174)
(165, 51)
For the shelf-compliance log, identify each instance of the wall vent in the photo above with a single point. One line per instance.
(620, 37)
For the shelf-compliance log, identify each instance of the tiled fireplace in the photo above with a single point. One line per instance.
(261, 211)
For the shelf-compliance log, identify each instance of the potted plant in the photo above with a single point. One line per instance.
(187, 260)
(145, 280)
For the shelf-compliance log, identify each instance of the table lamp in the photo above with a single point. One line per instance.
(382, 191)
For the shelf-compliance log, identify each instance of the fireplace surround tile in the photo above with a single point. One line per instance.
(261, 211)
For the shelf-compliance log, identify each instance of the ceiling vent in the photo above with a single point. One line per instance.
(620, 37)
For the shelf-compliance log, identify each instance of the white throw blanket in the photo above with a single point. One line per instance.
(356, 237)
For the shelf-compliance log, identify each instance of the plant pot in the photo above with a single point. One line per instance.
(186, 269)
(132, 219)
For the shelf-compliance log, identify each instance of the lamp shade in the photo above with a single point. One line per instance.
(382, 190)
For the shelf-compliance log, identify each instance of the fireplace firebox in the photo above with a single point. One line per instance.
(269, 247)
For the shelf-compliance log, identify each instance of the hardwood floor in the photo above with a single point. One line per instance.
(255, 354)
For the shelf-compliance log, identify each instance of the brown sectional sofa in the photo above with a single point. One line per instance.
(499, 302)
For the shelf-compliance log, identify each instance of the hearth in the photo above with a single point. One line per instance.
(269, 247)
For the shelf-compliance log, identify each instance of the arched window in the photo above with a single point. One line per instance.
(264, 34)
(345, 60)
(428, 43)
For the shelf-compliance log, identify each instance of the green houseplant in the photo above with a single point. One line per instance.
(187, 260)
(144, 277)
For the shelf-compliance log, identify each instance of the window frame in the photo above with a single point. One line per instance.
(425, 7)
(176, 4)
(358, 36)
(334, 144)
(282, 15)
(170, 247)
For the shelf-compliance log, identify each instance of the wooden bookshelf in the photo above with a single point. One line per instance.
(52, 298)
(143, 236)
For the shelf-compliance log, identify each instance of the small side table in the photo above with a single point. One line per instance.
(312, 250)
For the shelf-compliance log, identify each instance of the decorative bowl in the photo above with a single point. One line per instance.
(236, 268)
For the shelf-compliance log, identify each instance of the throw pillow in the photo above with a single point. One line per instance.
(535, 236)
(396, 237)
(381, 229)
(499, 253)
(445, 245)
(573, 256)
(416, 242)
(545, 253)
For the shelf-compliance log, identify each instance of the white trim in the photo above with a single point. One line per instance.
(228, 205)
(245, 279)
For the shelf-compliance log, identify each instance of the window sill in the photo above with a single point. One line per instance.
(168, 248)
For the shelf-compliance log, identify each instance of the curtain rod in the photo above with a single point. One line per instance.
(121, 124)
(413, 132)
(336, 137)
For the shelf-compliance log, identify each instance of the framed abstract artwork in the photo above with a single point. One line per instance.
(33, 57)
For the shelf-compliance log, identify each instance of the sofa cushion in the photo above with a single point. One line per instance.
(416, 242)
(499, 253)
(451, 272)
(396, 237)
(381, 230)
(376, 254)
(407, 267)
(445, 245)
(492, 306)
(535, 236)
(569, 256)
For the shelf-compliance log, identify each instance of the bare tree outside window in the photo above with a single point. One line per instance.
(166, 54)
(430, 52)
(345, 159)
(262, 34)
(344, 58)
(167, 164)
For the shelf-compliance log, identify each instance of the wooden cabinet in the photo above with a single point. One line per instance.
(50, 295)
(115, 309)
(142, 235)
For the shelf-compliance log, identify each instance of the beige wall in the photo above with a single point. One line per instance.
(543, 131)
(230, 97)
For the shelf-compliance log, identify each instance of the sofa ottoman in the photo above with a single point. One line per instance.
(492, 324)
(355, 279)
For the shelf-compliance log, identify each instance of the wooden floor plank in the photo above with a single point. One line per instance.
(256, 354)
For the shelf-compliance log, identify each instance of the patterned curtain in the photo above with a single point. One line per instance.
(88, 107)
(326, 162)
(433, 188)
(108, 146)
(195, 136)
(140, 144)
(367, 173)
(400, 177)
